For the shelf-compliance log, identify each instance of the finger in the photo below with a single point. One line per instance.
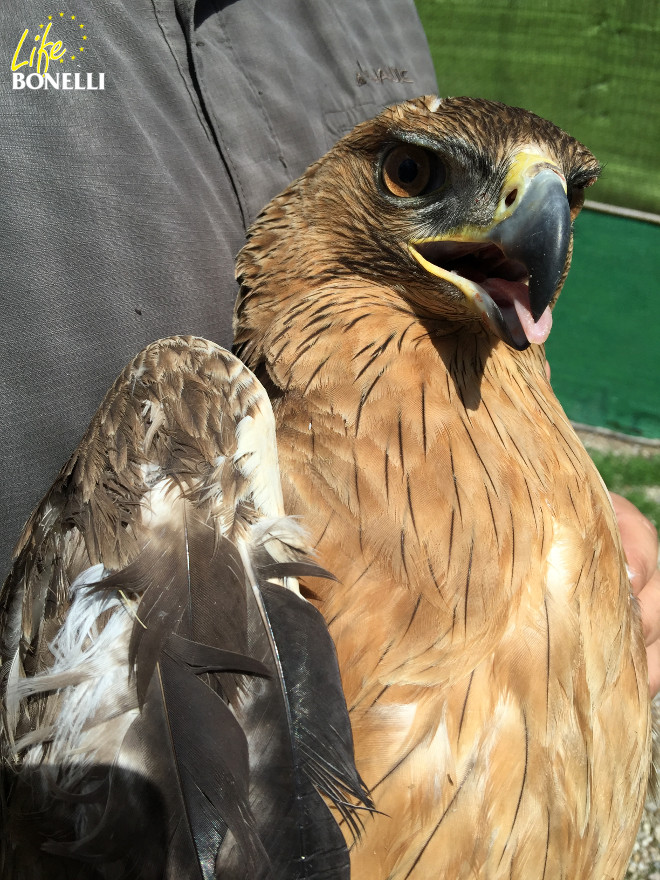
(653, 660)
(649, 603)
(640, 541)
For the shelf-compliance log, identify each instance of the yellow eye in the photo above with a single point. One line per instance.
(407, 170)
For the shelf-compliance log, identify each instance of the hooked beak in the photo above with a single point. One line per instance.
(510, 270)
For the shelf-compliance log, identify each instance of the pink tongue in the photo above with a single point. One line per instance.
(516, 293)
(535, 331)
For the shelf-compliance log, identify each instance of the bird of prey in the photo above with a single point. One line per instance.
(394, 302)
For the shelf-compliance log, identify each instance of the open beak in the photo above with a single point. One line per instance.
(510, 270)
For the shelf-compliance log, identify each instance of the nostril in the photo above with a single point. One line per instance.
(511, 197)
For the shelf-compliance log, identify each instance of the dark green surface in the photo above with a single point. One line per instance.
(591, 67)
(605, 343)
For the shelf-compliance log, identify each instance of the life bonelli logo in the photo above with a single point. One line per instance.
(46, 53)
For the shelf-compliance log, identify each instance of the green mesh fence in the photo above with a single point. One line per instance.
(593, 69)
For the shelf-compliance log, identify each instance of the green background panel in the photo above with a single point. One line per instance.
(589, 66)
(604, 348)
(594, 70)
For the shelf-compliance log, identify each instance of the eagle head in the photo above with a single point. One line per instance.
(459, 210)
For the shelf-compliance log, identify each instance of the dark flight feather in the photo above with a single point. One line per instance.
(297, 752)
(185, 719)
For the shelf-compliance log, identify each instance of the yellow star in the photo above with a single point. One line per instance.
(73, 57)
(61, 15)
(84, 38)
(82, 25)
(72, 17)
(61, 60)
(81, 49)
(50, 17)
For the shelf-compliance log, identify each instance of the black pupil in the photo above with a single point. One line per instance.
(408, 170)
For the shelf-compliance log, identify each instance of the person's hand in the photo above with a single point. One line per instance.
(640, 544)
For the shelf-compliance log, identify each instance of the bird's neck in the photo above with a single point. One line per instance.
(358, 349)
(409, 435)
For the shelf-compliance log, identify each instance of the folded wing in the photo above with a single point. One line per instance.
(172, 706)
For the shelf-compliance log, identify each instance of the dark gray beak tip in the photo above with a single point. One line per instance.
(538, 234)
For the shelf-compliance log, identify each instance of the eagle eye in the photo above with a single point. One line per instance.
(409, 170)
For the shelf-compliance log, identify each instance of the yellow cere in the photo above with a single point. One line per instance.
(523, 168)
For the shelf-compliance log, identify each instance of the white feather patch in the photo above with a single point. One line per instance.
(158, 501)
(256, 460)
(92, 700)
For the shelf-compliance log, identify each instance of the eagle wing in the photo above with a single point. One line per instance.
(157, 654)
